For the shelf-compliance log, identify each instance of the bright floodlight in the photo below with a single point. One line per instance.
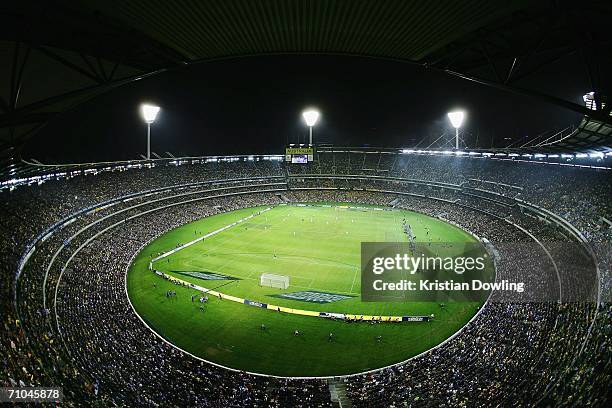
(456, 118)
(311, 117)
(149, 112)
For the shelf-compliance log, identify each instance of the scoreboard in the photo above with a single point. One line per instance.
(299, 155)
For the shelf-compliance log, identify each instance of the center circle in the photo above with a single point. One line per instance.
(200, 287)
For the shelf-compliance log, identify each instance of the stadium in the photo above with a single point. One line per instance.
(305, 273)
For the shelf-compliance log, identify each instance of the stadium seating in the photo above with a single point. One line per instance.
(73, 326)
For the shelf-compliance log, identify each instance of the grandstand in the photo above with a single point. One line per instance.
(503, 201)
(71, 233)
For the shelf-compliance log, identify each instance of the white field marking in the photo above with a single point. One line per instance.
(314, 231)
(213, 233)
(304, 287)
(354, 277)
(59, 279)
(449, 339)
(219, 268)
(219, 244)
(232, 259)
(292, 276)
(221, 240)
(283, 257)
(292, 377)
(312, 261)
(210, 249)
(231, 369)
(210, 234)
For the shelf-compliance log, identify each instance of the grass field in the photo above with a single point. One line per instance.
(318, 247)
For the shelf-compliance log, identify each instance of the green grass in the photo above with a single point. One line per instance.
(319, 248)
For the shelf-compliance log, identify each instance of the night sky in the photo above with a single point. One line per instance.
(254, 105)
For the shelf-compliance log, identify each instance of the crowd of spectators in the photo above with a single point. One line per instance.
(66, 320)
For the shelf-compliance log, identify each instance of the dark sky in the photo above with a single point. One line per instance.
(253, 105)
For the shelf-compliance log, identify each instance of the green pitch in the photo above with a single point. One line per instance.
(318, 247)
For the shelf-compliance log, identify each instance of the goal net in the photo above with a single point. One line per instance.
(274, 281)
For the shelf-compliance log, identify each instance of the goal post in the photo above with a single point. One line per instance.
(274, 281)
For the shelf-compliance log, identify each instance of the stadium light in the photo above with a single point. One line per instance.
(310, 116)
(149, 113)
(456, 119)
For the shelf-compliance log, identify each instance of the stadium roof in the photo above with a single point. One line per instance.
(58, 53)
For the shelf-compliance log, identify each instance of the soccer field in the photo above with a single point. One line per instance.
(318, 248)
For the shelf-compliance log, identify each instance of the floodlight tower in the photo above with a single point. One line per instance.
(149, 113)
(456, 119)
(310, 116)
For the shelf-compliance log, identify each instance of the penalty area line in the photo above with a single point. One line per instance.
(210, 234)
